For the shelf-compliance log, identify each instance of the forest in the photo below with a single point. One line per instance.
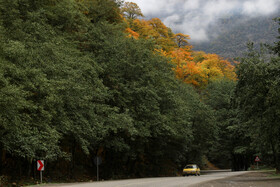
(87, 78)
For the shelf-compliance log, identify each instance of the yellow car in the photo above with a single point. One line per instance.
(191, 169)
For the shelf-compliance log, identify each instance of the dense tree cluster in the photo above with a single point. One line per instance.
(195, 68)
(248, 111)
(74, 86)
(85, 78)
(257, 101)
(244, 107)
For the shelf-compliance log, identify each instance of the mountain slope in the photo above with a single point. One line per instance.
(233, 34)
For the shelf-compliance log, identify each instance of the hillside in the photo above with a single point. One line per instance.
(235, 32)
(83, 81)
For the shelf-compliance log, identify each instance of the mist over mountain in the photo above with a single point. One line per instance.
(197, 17)
(229, 36)
(217, 26)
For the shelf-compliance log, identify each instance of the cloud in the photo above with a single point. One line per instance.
(193, 17)
(260, 7)
(191, 5)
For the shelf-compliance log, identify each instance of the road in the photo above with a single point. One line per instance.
(156, 182)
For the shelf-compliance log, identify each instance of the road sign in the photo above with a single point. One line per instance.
(97, 160)
(40, 165)
(257, 159)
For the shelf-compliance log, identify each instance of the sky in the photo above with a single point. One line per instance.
(193, 17)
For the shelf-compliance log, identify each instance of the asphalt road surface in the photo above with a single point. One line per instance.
(156, 182)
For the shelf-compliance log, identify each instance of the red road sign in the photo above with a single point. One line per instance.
(257, 159)
(40, 165)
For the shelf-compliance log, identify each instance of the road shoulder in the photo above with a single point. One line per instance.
(255, 178)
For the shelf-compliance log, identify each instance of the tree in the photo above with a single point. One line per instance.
(218, 95)
(200, 69)
(276, 47)
(154, 106)
(185, 69)
(213, 67)
(55, 86)
(131, 33)
(256, 97)
(101, 10)
(131, 10)
(181, 39)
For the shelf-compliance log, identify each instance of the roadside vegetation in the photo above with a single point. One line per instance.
(87, 78)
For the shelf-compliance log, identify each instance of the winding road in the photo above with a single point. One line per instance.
(156, 182)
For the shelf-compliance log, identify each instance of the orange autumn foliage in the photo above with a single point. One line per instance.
(153, 29)
(161, 52)
(143, 28)
(195, 68)
(180, 57)
(159, 28)
(199, 68)
(181, 39)
(213, 67)
(131, 33)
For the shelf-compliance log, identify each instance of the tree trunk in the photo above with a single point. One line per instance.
(30, 166)
(73, 150)
(34, 166)
(275, 157)
(2, 158)
(277, 169)
(277, 164)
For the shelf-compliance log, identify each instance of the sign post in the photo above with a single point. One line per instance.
(40, 167)
(257, 159)
(97, 162)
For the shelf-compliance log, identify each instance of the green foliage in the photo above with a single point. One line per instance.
(144, 89)
(101, 10)
(257, 102)
(72, 86)
(218, 95)
(54, 84)
(131, 10)
(276, 47)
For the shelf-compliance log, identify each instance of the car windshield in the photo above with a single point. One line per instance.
(190, 166)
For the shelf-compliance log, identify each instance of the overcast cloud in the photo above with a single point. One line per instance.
(193, 17)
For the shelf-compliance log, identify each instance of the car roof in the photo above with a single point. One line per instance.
(191, 165)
